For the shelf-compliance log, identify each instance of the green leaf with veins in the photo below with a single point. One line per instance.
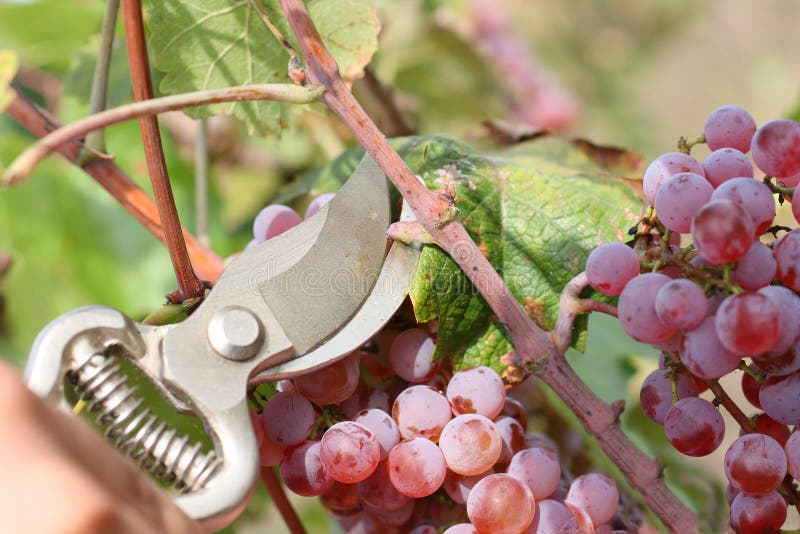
(205, 44)
(536, 211)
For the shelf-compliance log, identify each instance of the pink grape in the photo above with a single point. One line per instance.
(787, 254)
(755, 269)
(779, 363)
(758, 513)
(770, 427)
(383, 426)
(516, 410)
(595, 494)
(726, 163)
(273, 221)
(350, 452)
(410, 355)
(461, 528)
(470, 443)
(425, 529)
(318, 203)
(703, 353)
(663, 167)
(258, 427)
(341, 497)
(776, 148)
(729, 127)
(694, 426)
(637, 313)
(792, 449)
(788, 304)
(610, 266)
(750, 389)
(397, 517)
(656, 393)
(416, 467)
(377, 490)
(458, 486)
(421, 411)
(537, 468)
(302, 470)
(780, 398)
(288, 418)
(500, 504)
(365, 398)
(512, 437)
(747, 323)
(752, 196)
(270, 453)
(755, 463)
(331, 384)
(722, 232)
(681, 304)
(549, 518)
(680, 197)
(477, 390)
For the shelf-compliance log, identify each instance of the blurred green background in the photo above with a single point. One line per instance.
(631, 74)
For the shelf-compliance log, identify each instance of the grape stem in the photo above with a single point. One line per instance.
(282, 503)
(114, 180)
(535, 348)
(570, 306)
(685, 146)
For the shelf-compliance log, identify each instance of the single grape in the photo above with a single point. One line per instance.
(780, 398)
(539, 439)
(350, 452)
(753, 196)
(365, 398)
(458, 486)
(788, 311)
(729, 127)
(787, 254)
(461, 528)
(637, 313)
(595, 494)
(703, 353)
(302, 470)
(755, 463)
(341, 497)
(383, 426)
(756, 269)
(500, 504)
(681, 304)
(477, 390)
(273, 221)
(750, 389)
(416, 467)
(377, 490)
(747, 323)
(726, 163)
(270, 453)
(470, 443)
(538, 468)
(610, 266)
(512, 438)
(672, 344)
(656, 394)
(768, 426)
(425, 529)
(394, 518)
(731, 493)
(792, 449)
(550, 516)
(318, 203)
(410, 355)
(758, 513)
(680, 198)
(694, 426)
(779, 363)
(722, 232)
(516, 410)
(664, 166)
(288, 418)
(258, 427)
(776, 148)
(421, 411)
(331, 384)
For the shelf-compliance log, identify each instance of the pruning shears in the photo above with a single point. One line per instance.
(292, 304)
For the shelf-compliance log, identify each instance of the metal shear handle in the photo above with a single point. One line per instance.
(296, 302)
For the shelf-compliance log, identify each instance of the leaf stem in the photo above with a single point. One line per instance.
(96, 141)
(115, 182)
(534, 347)
(22, 167)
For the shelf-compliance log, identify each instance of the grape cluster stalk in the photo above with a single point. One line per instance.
(390, 440)
(711, 281)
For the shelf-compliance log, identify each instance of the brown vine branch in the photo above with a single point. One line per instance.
(570, 306)
(281, 501)
(534, 346)
(24, 165)
(116, 182)
(190, 286)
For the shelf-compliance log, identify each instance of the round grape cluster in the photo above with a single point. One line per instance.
(726, 301)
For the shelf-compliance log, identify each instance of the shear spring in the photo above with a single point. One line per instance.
(135, 431)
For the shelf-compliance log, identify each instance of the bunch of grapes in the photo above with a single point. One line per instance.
(726, 301)
(392, 441)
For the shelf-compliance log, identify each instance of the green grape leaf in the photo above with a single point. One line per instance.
(9, 63)
(210, 44)
(535, 210)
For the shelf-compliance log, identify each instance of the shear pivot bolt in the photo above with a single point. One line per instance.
(235, 333)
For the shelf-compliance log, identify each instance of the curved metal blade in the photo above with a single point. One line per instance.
(314, 297)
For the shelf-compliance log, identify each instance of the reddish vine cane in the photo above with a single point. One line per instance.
(535, 348)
